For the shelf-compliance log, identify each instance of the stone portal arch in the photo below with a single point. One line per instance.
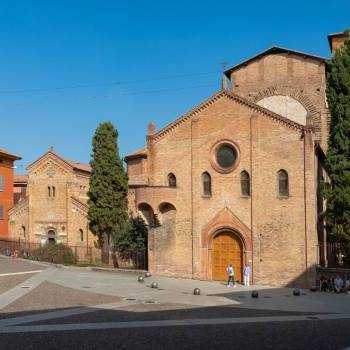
(224, 222)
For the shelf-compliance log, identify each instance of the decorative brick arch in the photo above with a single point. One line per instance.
(297, 94)
(224, 220)
(146, 212)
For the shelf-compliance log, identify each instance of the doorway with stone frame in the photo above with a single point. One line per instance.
(51, 236)
(226, 248)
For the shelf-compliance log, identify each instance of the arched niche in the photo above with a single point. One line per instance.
(286, 106)
(167, 213)
(146, 213)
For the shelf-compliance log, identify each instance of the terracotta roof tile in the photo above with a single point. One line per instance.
(5, 153)
(272, 50)
(142, 152)
(79, 166)
(20, 178)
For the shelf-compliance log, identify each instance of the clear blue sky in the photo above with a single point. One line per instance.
(66, 66)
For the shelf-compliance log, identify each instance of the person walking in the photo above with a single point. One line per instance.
(246, 275)
(231, 276)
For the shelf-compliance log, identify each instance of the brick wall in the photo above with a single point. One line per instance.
(275, 227)
(287, 74)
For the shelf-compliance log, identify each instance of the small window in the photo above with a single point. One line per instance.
(1, 183)
(24, 231)
(171, 180)
(245, 184)
(1, 212)
(283, 185)
(53, 191)
(81, 235)
(49, 191)
(206, 181)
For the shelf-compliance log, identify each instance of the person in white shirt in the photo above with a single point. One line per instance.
(230, 274)
(246, 275)
(338, 284)
(347, 285)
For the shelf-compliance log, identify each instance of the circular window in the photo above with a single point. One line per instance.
(224, 156)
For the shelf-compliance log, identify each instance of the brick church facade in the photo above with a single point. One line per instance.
(236, 179)
(51, 203)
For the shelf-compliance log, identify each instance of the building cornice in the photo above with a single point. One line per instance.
(234, 97)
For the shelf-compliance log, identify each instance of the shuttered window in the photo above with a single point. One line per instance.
(1, 183)
(1, 212)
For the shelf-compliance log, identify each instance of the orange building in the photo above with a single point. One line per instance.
(7, 160)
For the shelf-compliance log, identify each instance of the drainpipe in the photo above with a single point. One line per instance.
(192, 211)
(251, 198)
(305, 211)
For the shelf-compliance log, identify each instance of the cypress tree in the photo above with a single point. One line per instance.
(108, 207)
(337, 191)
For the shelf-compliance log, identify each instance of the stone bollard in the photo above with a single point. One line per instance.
(148, 274)
(296, 292)
(154, 285)
(255, 294)
(140, 279)
(197, 291)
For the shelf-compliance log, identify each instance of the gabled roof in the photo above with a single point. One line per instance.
(68, 163)
(19, 206)
(9, 155)
(80, 166)
(140, 153)
(76, 201)
(239, 99)
(273, 50)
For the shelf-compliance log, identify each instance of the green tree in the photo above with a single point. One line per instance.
(132, 237)
(108, 188)
(337, 191)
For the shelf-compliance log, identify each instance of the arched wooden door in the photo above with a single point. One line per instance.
(226, 249)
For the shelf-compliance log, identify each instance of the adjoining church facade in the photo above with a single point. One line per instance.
(51, 203)
(236, 179)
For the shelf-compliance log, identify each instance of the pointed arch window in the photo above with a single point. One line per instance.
(171, 180)
(283, 183)
(245, 184)
(81, 235)
(206, 182)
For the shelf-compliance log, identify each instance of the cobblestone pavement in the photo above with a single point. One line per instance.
(63, 308)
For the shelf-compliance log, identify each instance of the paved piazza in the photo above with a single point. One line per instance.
(48, 307)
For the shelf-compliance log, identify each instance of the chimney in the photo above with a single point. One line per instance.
(151, 130)
(224, 83)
